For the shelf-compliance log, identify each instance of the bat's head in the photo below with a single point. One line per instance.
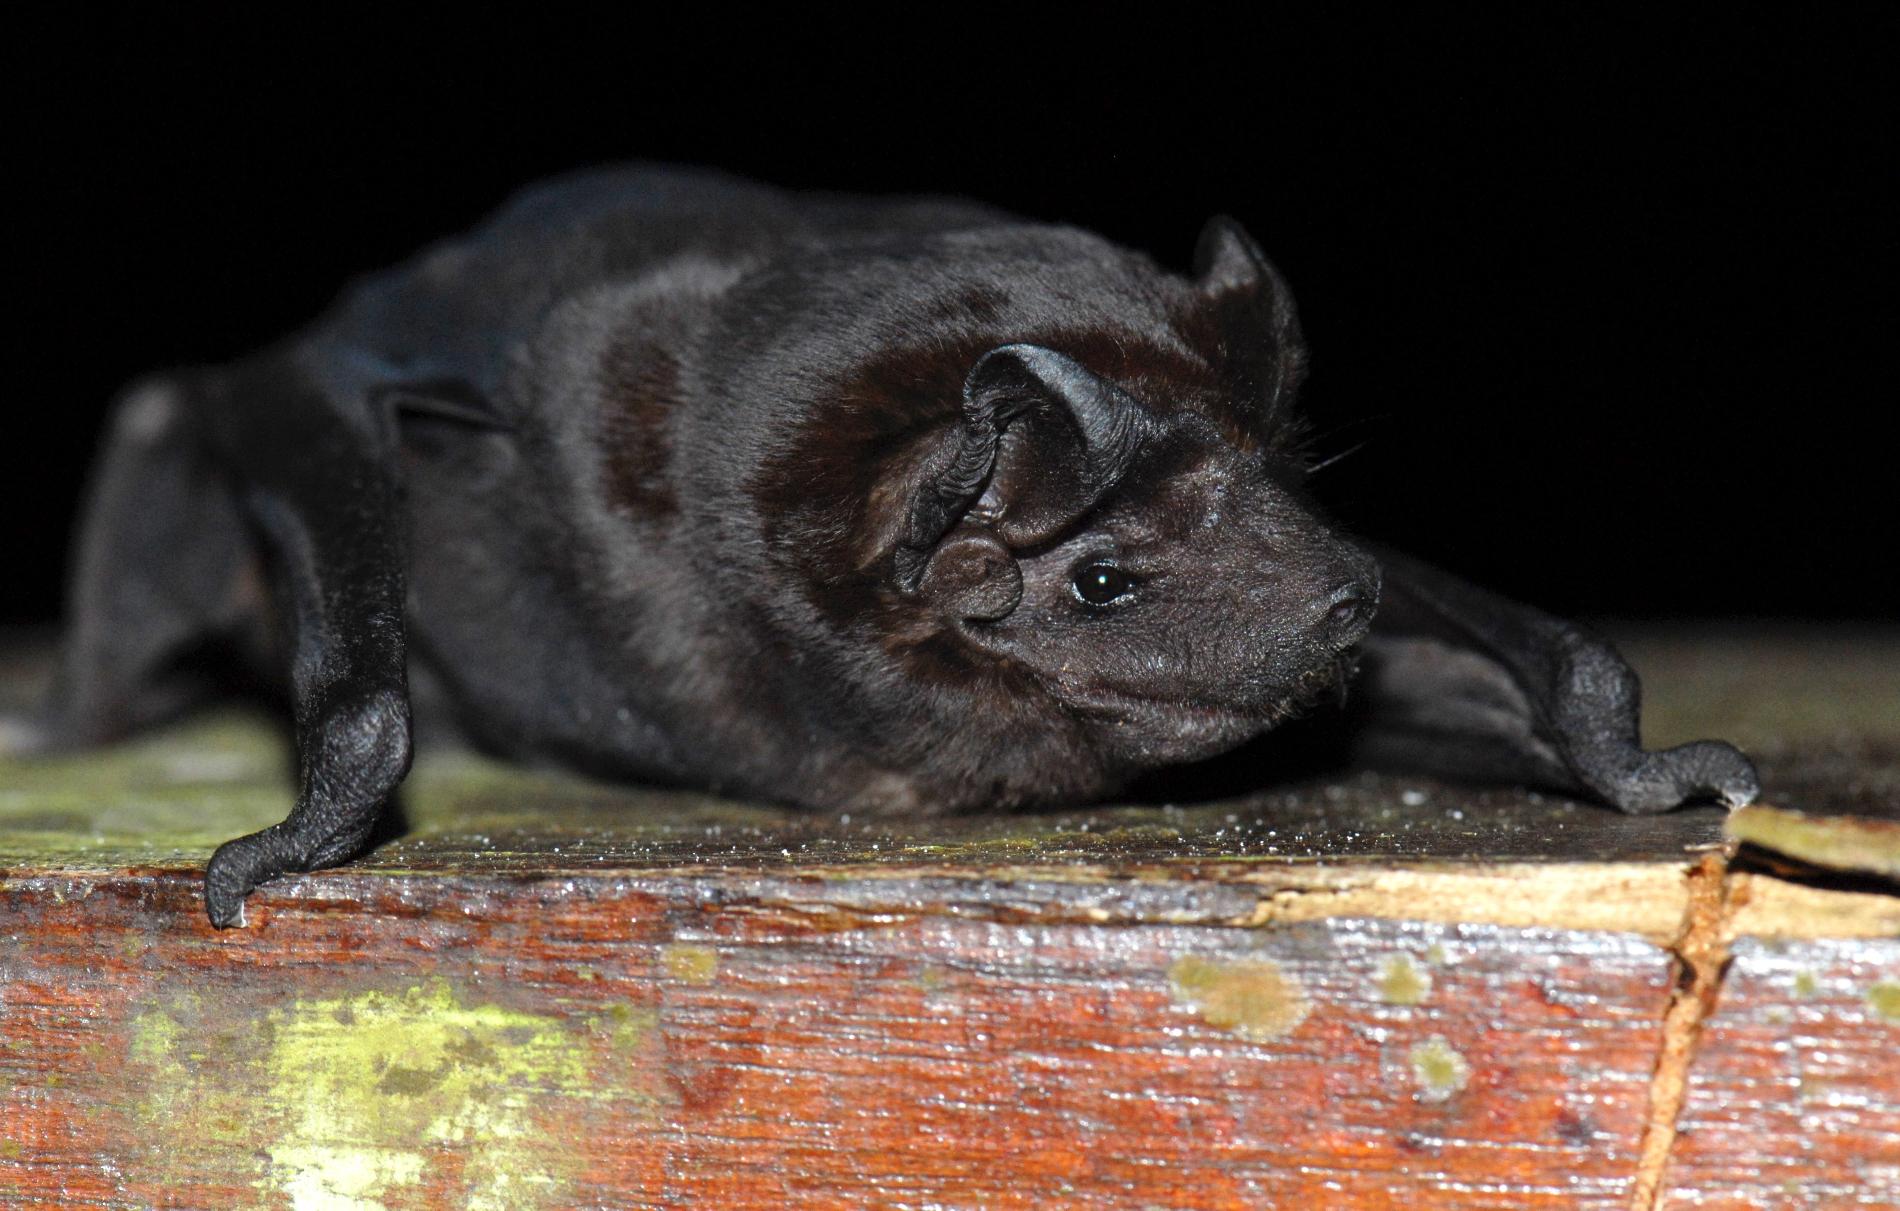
(1126, 539)
(1166, 587)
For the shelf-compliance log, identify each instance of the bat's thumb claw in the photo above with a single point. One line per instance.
(1643, 783)
(1707, 769)
(237, 867)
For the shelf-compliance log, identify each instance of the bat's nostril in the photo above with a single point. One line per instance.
(1350, 609)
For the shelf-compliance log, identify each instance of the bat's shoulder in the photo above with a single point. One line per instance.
(661, 233)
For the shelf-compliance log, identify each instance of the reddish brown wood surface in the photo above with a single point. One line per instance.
(702, 1046)
(1803, 1046)
(434, 1041)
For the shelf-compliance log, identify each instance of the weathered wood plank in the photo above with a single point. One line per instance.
(1804, 1046)
(666, 1041)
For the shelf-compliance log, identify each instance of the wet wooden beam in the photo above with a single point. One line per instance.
(1354, 991)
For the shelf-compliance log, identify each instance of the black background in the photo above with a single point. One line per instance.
(1611, 302)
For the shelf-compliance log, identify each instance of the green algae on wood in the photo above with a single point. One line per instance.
(690, 964)
(375, 1080)
(352, 1100)
(1254, 999)
(1438, 1069)
(1403, 982)
(1884, 999)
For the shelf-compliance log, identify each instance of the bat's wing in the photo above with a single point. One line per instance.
(1460, 681)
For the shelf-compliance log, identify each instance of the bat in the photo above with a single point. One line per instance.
(876, 505)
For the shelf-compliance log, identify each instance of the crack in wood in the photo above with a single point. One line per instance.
(1701, 951)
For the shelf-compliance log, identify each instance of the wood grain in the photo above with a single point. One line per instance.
(1794, 1099)
(671, 1042)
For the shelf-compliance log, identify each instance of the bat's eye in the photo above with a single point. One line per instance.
(1099, 583)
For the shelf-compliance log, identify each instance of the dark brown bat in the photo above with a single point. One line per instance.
(892, 505)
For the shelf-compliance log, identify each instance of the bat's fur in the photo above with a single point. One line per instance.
(680, 478)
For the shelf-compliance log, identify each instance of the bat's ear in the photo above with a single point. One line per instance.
(1253, 306)
(1065, 439)
(1041, 442)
